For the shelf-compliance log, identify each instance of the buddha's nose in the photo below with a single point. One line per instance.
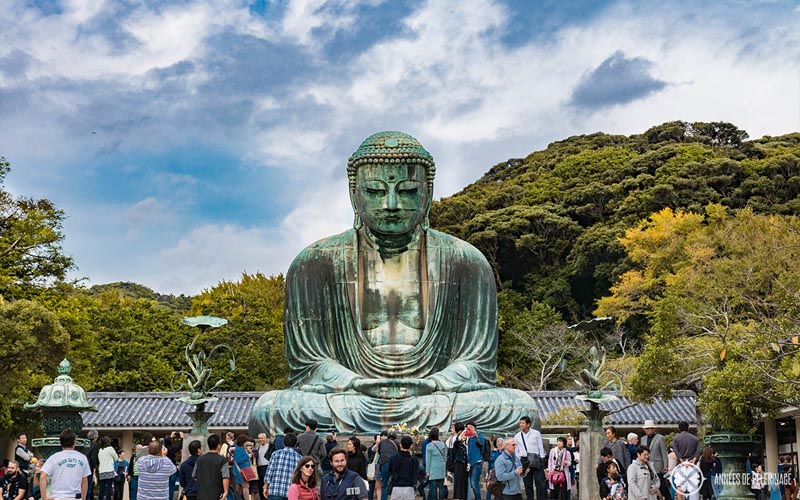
(391, 200)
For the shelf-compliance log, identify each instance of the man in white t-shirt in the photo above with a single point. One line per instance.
(69, 470)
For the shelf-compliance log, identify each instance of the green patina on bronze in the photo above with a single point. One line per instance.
(60, 404)
(391, 322)
(198, 378)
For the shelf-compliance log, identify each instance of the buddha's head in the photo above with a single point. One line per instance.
(391, 183)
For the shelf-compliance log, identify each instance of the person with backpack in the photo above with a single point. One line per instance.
(557, 472)
(508, 470)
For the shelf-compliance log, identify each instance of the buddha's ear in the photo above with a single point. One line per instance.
(426, 222)
(357, 222)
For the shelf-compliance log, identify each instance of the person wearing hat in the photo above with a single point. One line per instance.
(658, 454)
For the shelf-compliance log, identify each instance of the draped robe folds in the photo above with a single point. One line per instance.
(327, 349)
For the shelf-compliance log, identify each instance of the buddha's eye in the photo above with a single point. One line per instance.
(412, 190)
(375, 191)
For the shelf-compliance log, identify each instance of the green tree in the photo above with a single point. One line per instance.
(31, 256)
(254, 310)
(720, 298)
(34, 342)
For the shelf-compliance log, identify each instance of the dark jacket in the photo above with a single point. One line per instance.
(209, 471)
(358, 464)
(333, 489)
(403, 469)
(188, 483)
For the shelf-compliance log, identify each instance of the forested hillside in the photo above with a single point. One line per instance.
(671, 233)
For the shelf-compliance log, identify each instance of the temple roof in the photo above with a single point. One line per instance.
(162, 410)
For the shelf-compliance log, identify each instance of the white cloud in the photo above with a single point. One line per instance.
(447, 77)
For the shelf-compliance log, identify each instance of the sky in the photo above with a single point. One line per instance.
(191, 141)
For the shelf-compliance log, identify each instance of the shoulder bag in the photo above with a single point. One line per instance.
(373, 465)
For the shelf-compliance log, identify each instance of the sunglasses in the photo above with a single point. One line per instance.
(309, 466)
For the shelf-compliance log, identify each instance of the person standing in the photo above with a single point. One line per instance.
(559, 460)
(94, 461)
(342, 483)
(106, 456)
(14, 484)
(618, 450)
(155, 471)
(69, 470)
(403, 469)
(458, 462)
(23, 455)
(330, 443)
(133, 472)
(356, 461)
(121, 475)
(687, 450)
(304, 480)
(309, 442)
(530, 450)
(211, 472)
(475, 443)
(435, 461)
(643, 483)
(281, 466)
(174, 445)
(186, 471)
(633, 445)
(659, 456)
(497, 449)
(262, 451)
(387, 448)
(508, 469)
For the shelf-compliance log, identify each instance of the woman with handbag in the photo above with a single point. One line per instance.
(559, 481)
(435, 461)
(304, 480)
(243, 470)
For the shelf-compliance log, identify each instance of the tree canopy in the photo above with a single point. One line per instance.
(686, 234)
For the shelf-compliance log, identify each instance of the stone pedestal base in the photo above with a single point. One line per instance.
(591, 443)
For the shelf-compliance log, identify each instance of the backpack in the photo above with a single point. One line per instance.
(494, 485)
(229, 455)
(487, 450)
(618, 492)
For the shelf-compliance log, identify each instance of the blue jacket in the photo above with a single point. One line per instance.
(188, 483)
(505, 468)
(435, 459)
(475, 449)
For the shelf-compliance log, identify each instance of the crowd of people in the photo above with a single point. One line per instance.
(304, 465)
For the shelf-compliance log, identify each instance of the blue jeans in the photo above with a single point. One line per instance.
(475, 471)
(90, 488)
(134, 487)
(437, 490)
(172, 480)
(384, 480)
(106, 489)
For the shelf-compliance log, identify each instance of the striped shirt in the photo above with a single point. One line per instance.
(282, 464)
(154, 473)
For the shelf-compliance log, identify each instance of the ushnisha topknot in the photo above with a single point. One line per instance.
(391, 147)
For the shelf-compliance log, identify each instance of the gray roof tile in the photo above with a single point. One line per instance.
(139, 410)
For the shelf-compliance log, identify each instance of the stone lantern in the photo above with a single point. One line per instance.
(60, 404)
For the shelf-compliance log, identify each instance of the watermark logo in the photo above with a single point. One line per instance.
(687, 477)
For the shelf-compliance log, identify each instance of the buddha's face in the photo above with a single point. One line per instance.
(391, 199)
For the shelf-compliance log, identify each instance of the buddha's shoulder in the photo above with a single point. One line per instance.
(454, 245)
(327, 247)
